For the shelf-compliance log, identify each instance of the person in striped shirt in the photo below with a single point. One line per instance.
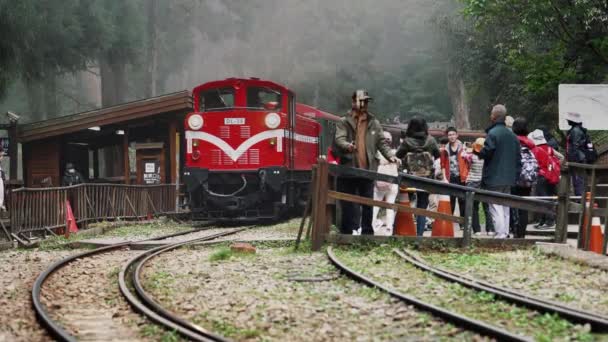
(475, 165)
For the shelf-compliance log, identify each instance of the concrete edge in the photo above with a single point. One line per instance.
(575, 255)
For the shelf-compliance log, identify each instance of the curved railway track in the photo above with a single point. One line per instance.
(58, 332)
(452, 317)
(141, 301)
(597, 322)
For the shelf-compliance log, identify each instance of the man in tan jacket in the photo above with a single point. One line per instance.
(359, 136)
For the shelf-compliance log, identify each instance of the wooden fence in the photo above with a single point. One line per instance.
(38, 209)
(590, 175)
(323, 199)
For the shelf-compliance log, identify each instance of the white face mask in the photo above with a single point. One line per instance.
(71, 170)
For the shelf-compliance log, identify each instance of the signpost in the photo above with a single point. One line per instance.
(590, 100)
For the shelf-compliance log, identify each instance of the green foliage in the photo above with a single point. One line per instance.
(541, 44)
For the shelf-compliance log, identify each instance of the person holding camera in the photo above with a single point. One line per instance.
(359, 136)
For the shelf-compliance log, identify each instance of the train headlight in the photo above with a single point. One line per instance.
(272, 120)
(195, 122)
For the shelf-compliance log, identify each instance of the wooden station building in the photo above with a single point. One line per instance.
(132, 143)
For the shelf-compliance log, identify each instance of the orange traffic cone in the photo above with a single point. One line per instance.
(69, 217)
(596, 238)
(443, 228)
(404, 221)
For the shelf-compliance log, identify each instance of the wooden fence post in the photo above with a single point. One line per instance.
(563, 204)
(320, 213)
(589, 211)
(468, 216)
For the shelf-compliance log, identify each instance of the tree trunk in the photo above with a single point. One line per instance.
(458, 98)
(35, 100)
(150, 81)
(50, 96)
(113, 81)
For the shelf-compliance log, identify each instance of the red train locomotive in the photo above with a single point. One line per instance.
(249, 149)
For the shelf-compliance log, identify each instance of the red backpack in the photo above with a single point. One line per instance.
(553, 168)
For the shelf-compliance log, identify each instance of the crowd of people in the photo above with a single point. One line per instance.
(510, 159)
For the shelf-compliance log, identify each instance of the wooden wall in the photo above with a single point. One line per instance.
(41, 159)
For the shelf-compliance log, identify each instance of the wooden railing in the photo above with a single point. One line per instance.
(323, 199)
(37, 209)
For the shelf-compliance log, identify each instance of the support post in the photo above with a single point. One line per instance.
(589, 211)
(13, 151)
(563, 203)
(125, 151)
(468, 217)
(320, 216)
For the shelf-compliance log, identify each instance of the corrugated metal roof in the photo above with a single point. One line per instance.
(179, 101)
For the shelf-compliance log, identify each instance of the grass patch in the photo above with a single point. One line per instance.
(154, 332)
(60, 242)
(160, 282)
(225, 253)
(225, 328)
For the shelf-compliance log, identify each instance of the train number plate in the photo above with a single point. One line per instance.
(234, 121)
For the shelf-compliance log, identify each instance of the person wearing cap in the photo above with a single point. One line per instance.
(384, 191)
(543, 154)
(359, 137)
(501, 166)
(576, 143)
(71, 176)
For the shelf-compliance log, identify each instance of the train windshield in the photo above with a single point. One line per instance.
(264, 98)
(216, 99)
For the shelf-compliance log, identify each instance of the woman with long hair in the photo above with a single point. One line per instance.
(419, 150)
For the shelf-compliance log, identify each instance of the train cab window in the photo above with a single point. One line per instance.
(216, 99)
(262, 97)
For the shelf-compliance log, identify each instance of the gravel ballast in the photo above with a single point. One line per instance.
(279, 295)
(532, 272)
(382, 265)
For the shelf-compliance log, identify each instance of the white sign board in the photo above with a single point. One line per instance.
(149, 168)
(590, 100)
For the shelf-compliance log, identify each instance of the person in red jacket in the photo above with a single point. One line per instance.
(548, 174)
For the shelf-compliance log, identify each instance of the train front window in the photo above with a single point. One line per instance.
(216, 99)
(264, 98)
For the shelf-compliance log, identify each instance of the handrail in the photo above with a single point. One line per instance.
(435, 186)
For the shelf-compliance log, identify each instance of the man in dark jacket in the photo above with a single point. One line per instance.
(71, 176)
(359, 136)
(576, 141)
(501, 167)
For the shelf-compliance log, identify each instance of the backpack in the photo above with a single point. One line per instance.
(419, 163)
(529, 168)
(553, 169)
(589, 150)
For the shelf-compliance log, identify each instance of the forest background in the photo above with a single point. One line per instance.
(443, 59)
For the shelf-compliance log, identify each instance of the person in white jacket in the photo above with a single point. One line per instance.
(384, 191)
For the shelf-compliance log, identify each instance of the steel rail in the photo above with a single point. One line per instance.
(460, 320)
(43, 315)
(141, 301)
(596, 321)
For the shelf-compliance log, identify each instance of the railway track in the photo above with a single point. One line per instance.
(452, 317)
(61, 334)
(597, 322)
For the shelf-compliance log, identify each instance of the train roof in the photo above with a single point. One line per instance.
(235, 82)
(313, 112)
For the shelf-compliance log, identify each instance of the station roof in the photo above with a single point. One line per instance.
(174, 102)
